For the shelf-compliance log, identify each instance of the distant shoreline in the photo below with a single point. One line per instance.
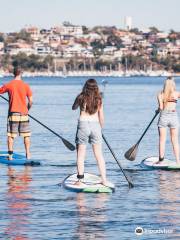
(131, 73)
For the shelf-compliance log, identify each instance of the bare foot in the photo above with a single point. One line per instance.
(108, 184)
(159, 162)
(79, 184)
(10, 157)
(28, 156)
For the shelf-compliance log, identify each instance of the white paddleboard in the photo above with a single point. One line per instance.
(92, 184)
(166, 164)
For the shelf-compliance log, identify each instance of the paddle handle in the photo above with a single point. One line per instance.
(157, 112)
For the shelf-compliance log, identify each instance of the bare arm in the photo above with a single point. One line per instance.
(101, 116)
(3, 89)
(30, 102)
(76, 103)
(178, 93)
(160, 101)
(29, 96)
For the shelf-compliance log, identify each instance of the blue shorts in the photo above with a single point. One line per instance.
(168, 119)
(88, 131)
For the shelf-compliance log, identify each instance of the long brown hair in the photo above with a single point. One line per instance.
(90, 98)
(168, 90)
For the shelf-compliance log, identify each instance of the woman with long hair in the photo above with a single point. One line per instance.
(89, 127)
(167, 100)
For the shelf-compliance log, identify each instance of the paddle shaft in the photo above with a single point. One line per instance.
(45, 126)
(112, 152)
(67, 144)
(114, 156)
(147, 128)
(132, 152)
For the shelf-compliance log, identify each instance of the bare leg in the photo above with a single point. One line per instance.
(175, 143)
(27, 147)
(81, 154)
(162, 142)
(97, 148)
(10, 142)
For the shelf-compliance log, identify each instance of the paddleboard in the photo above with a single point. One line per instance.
(92, 184)
(166, 164)
(18, 159)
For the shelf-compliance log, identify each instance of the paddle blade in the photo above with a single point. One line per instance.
(131, 153)
(131, 185)
(69, 145)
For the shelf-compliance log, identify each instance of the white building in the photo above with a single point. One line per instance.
(71, 30)
(93, 36)
(16, 48)
(109, 50)
(162, 52)
(1, 47)
(128, 23)
(42, 49)
(34, 32)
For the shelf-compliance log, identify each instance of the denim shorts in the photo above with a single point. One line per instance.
(168, 119)
(88, 131)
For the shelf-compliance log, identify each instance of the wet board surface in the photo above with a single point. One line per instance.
(18, 159)
(91, 181)
(166, 164)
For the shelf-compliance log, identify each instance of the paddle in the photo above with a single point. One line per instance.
(112, 152)
(129, 182)
(66, 143)
(132, 152)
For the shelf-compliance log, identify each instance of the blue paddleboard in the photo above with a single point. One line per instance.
(18, 159)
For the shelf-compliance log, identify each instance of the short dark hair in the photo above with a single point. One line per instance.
(17, 71)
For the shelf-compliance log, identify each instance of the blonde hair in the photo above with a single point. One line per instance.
(168, 90)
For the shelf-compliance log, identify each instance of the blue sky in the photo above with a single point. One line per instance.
(15, 14)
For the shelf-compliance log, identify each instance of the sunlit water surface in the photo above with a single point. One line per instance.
(34, 206)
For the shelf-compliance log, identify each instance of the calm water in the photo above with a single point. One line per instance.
(34, 206)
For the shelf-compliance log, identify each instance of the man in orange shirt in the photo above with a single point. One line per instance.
(18, 121)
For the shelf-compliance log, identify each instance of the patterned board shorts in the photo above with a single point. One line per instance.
(18, 124)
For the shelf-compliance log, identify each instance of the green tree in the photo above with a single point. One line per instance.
(24, 36)
(114, 40)
(98, 46)
(135, 30)
(173, 36)
(154, 30)
(6, 61)
(134, 62)
(2, 38)
(21, 59)
(32, 62)
(85, 30)
(48, 62)
(109, 30)
(176, 67)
